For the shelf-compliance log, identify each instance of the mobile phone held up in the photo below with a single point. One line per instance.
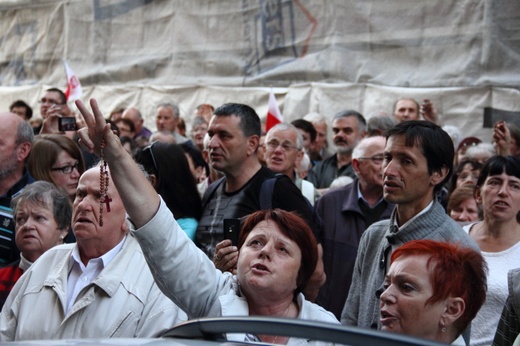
(231, 230)
(67, 124)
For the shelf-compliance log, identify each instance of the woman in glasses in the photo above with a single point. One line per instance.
(58, 160)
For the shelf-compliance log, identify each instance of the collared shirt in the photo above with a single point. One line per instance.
(24, 263)
(306, 190)
(360, 196)
(324, 173)
(395, 229)
(80, 276)
(428, 207)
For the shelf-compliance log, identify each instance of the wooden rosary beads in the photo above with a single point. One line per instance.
(103, 186)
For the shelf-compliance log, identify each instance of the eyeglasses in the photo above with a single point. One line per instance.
(286, 146)
(148, 148)
(66, 169)
(377, 158)
(51, 102)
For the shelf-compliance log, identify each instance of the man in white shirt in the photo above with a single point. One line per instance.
(99, 287)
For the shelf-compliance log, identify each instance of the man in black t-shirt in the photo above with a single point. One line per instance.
(234, 130)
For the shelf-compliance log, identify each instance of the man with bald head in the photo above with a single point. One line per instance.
(137, 118)
(98, 287)
(16, 137)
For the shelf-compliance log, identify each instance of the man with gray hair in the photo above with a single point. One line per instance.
(17, 137)
(348, 128)
(167, 119)
(283, 151)
(346, 213)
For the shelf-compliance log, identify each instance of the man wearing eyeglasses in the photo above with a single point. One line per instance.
(53, 105)
(348, 128)
(283, 150)
(15, 145)
(346, 213)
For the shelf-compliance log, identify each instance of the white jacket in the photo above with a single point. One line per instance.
(187, 276)
(123, 301)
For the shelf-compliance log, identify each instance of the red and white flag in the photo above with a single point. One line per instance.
(273, 113)
(74, 90)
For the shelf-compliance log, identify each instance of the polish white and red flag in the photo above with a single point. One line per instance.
(74, 90)
(273, 113)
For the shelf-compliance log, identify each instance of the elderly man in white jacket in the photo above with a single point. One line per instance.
(99, 287)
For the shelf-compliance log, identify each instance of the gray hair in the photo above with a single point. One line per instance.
(352, 113)
(314, 117)
(285, 127)
(198, 121)
(49, 196)
(455, 134)
(361, 148)
(379, 124)
(25, 133)
(173, 107)
(481, 148)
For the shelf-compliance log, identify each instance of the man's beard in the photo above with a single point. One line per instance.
(342, 149)
(8, 167)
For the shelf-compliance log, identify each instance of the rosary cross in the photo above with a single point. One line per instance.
(107, 201)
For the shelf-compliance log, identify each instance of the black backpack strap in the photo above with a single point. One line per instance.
(266, 192)
(211, 190)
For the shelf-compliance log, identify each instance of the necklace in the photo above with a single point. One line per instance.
(276, 337)
(103, 186)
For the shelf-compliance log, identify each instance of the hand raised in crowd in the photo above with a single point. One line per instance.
(501, 138)
(50, 120)
(429, 112)
(97, 133)
(138, 195)
(226, 256)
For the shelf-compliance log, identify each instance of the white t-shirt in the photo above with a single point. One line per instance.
(485, 324)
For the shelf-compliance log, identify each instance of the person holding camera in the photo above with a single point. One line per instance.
(56, 114)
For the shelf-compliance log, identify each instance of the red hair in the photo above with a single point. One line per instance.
(293, 227)
(455, 271)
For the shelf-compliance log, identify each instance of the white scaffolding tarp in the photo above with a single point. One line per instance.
(319, 55)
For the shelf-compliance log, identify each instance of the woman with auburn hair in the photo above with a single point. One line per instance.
(462, 206)
(433, 290)
(58, 160)
(277, 250)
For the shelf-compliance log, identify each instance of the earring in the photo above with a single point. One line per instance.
(443, 329)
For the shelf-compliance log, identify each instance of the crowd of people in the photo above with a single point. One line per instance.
(110, 229)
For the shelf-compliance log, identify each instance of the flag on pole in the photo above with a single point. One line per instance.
(273, 113)
(74, 90)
